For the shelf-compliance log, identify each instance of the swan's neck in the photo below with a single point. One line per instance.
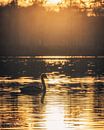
(43, 85)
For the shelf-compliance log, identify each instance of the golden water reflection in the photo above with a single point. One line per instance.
(61, 110)
(73, 101)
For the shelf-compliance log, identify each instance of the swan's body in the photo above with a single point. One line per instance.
(35, 89)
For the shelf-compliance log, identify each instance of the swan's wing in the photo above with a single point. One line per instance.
(36, 84)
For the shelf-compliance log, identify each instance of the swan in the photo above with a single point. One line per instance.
(35, 89)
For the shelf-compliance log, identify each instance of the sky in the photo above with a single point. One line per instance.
(35, 31)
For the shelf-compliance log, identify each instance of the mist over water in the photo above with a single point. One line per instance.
(74, 98)
(34, 31)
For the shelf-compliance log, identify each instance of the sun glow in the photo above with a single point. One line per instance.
(53, 2)
(55, 5)
(90, 7)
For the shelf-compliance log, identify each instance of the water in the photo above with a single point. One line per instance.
(74, 99)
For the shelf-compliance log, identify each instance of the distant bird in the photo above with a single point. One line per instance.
(32, 89)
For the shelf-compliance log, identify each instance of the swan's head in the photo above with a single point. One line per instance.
(43, 75)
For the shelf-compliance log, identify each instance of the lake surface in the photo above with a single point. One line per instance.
(74, 99)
